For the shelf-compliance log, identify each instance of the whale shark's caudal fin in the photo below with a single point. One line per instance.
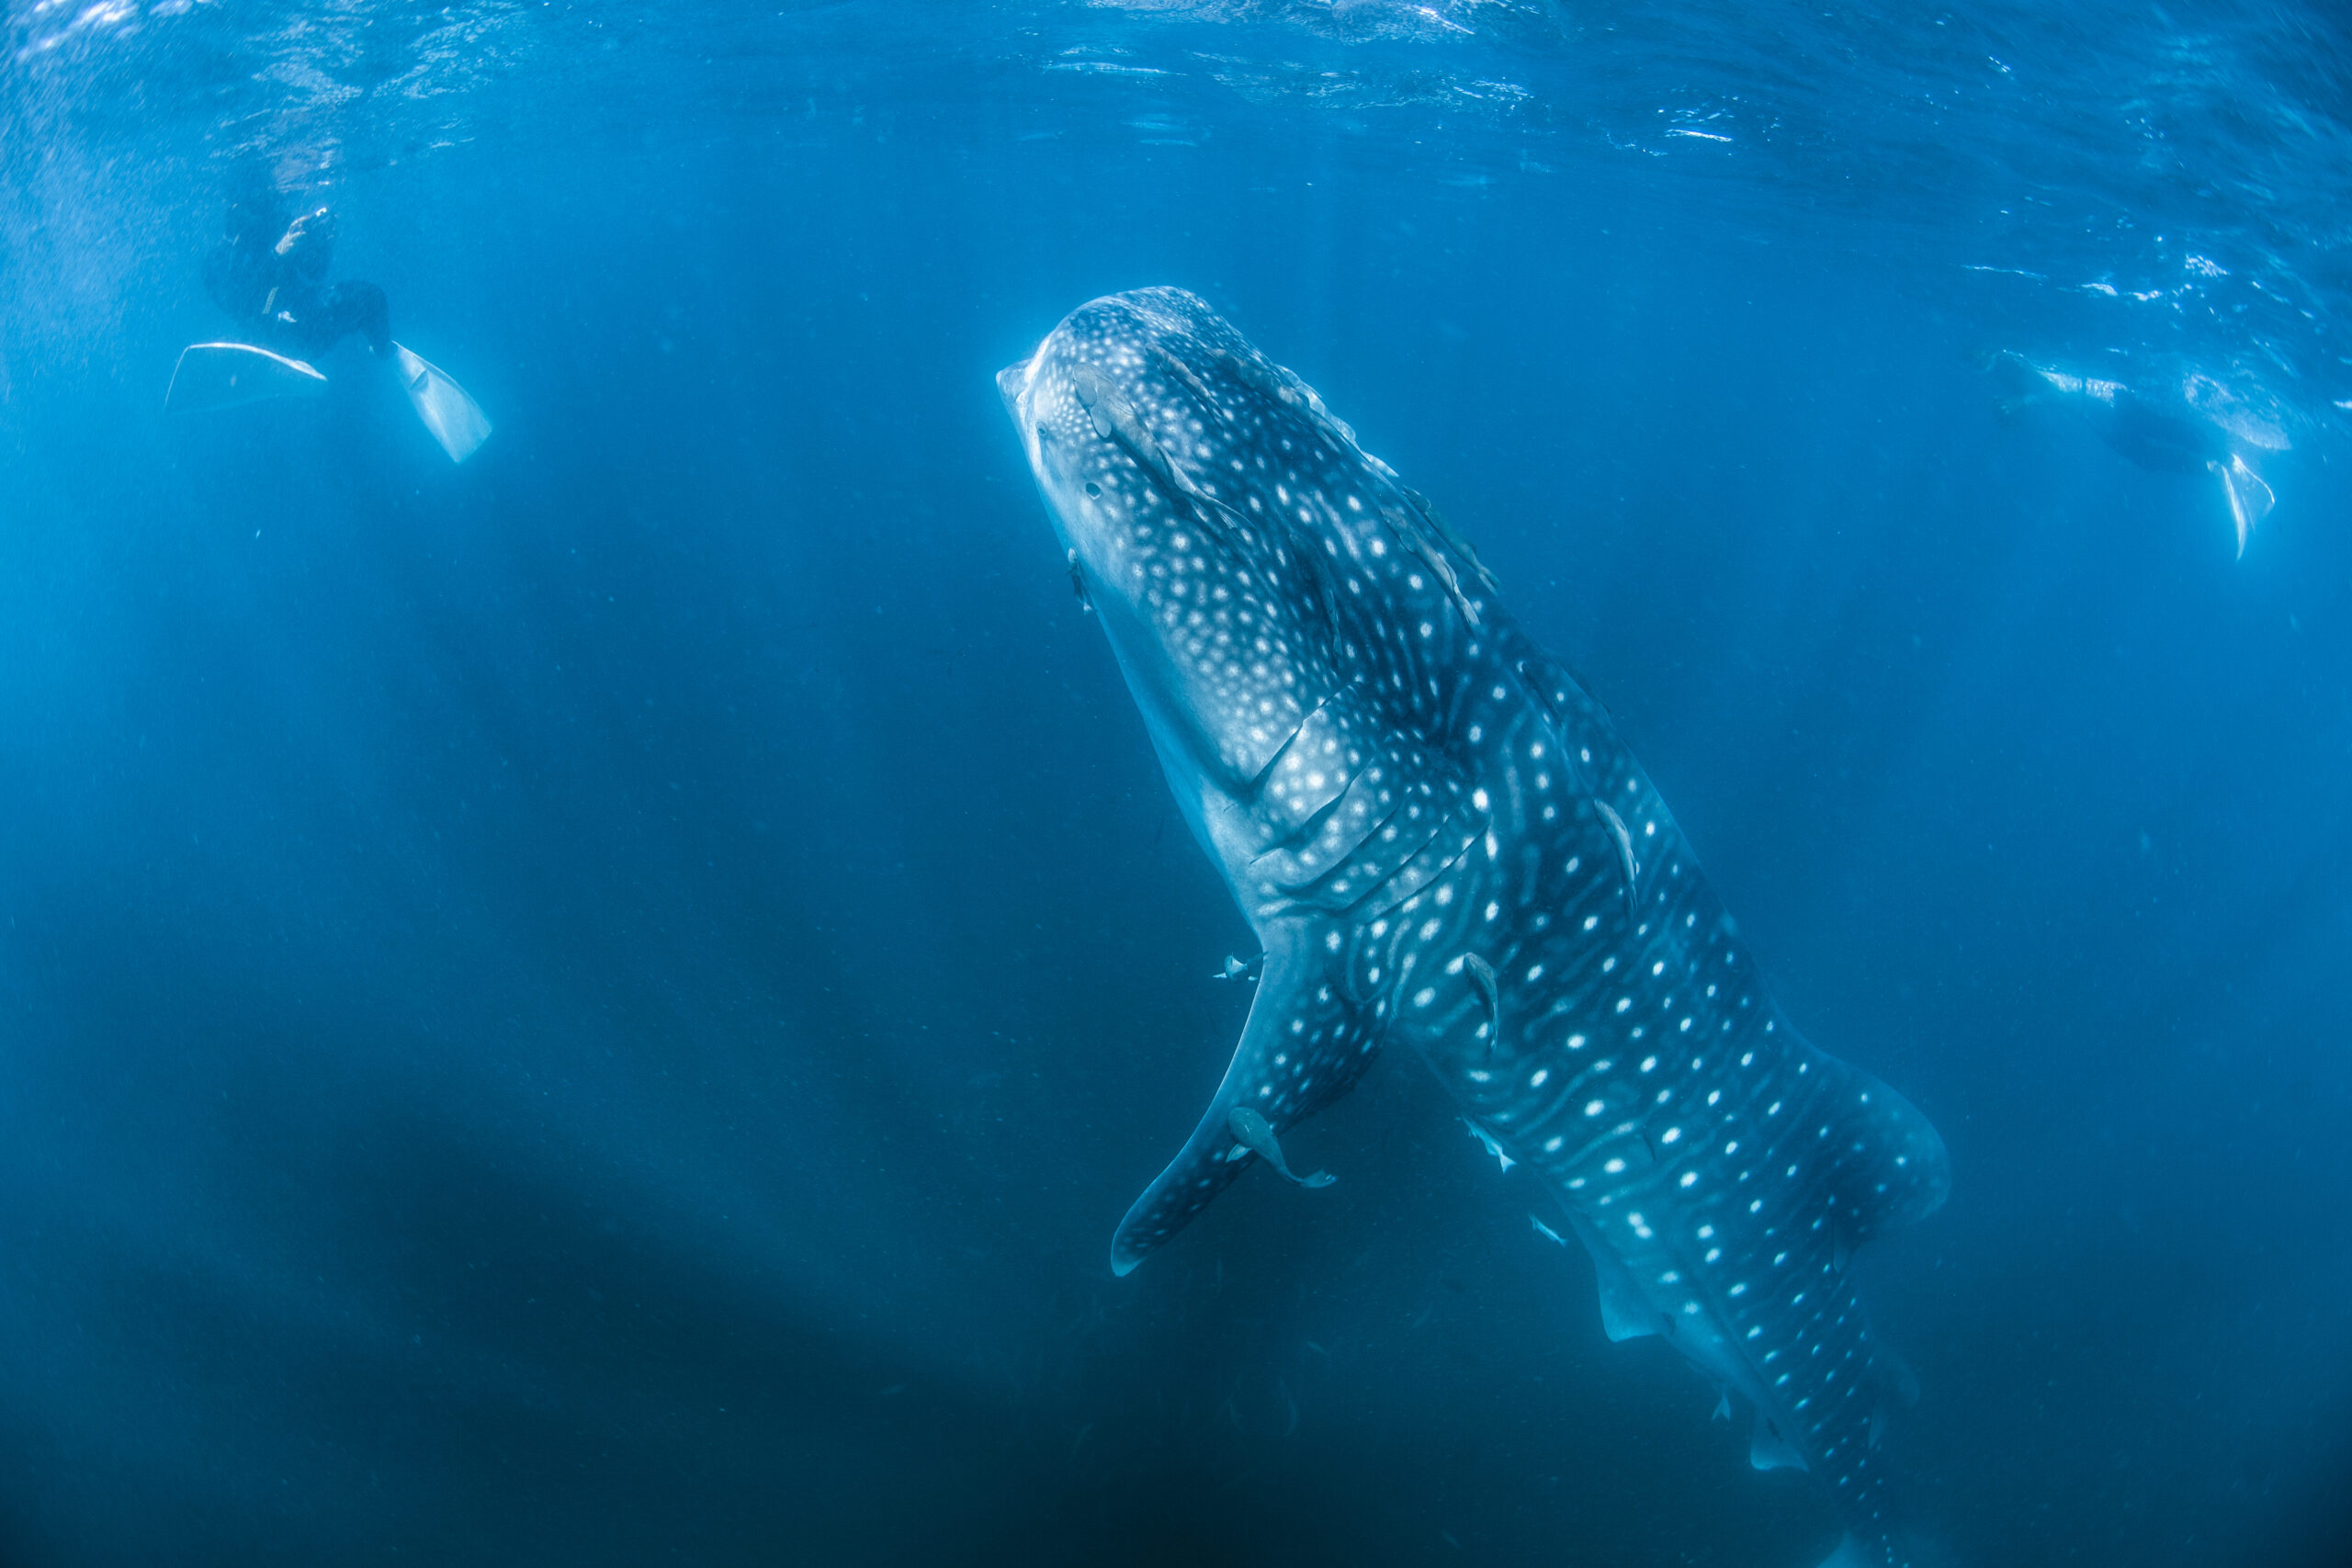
(1304, 1046)
(2250, 499)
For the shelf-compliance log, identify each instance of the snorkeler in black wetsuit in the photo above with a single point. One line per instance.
(272, 280)
(271, 277)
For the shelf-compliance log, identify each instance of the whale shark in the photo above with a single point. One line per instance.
(1442, 842)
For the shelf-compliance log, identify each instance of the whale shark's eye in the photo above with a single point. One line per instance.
(1093, 489)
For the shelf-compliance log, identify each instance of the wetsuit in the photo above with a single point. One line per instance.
(274, 285)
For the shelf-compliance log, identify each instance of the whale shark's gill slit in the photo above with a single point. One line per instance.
(1382, 874)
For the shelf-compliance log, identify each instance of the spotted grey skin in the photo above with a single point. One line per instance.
(1441, 840)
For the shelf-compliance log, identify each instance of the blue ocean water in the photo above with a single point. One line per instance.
(600, 1004)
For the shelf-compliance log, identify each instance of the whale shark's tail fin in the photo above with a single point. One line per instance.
(2250, 499)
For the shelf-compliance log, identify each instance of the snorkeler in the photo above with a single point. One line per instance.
(270, 276)
(2168, 439)
(271, 281)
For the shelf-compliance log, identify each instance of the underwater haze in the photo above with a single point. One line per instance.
(602, 1003)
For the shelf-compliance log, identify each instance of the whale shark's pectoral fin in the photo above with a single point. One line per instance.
(1304, 1046)
(2250, 499)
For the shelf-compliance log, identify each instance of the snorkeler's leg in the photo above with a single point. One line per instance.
(353, 307)
(375, 316)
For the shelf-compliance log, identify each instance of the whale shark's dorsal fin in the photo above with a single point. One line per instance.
(1890, 1167)
(1304, 1046)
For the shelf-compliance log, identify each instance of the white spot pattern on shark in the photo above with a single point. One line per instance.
(1442, 839)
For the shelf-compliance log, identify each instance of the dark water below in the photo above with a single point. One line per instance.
(600, 1005)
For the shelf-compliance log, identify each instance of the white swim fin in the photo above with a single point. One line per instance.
(2250, 499)
(223, 375)
(455, 420)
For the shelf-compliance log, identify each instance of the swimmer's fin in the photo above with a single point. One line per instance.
(455, 420)
(222, 375)
(2250, 499)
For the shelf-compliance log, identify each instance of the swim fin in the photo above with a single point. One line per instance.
(2250, 499)
(223, 375)
(455, 420)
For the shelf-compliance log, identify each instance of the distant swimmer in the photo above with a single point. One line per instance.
(1258, 1137)
(1238, 971)
(269, 275)
(2158, 436)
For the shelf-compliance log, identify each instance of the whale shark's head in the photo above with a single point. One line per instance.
(1166, 448)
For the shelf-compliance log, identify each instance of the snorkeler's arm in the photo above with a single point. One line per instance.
(307, 246)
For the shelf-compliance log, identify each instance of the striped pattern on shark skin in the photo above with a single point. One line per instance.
(1441, 840)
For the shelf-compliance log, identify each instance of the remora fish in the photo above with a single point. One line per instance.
(1440, 839)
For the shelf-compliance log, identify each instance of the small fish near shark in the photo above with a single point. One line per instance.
(1442, 842)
